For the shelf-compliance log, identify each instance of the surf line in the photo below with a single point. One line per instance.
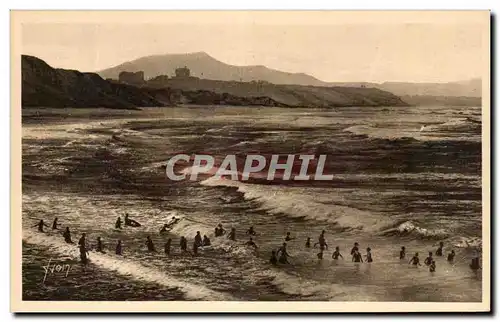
(128, 268)
(293, 168)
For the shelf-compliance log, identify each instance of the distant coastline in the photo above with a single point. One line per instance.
(44, 85)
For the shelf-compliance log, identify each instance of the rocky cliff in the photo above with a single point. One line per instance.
(43, 85)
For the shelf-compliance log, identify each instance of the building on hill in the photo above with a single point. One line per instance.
(183, 72)
(159, 80)
(132, 78)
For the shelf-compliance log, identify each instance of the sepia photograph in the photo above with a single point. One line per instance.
(256, 161)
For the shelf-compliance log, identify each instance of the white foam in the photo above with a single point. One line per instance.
(311, 203)
(127, 267)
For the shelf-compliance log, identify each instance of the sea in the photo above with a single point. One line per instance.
(402, 176)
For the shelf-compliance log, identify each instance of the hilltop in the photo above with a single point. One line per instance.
(204, 66)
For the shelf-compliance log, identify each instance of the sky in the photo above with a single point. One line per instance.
(343, 50)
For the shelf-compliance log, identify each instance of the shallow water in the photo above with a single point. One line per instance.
(402, 176)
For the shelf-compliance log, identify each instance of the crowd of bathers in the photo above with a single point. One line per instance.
(279, 256)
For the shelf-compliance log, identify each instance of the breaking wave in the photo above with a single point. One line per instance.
(301, 204)
(432, 132)
(129, 268)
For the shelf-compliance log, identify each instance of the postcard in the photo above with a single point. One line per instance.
(250, 161)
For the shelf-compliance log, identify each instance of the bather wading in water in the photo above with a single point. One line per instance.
(355, 248)
(451, 256)
(429, 259)
(118, 223)
(118, 249)
(82, 240)
(415, 261)
(55, 224)
(432, 266)
(474, 265)
(356, 257)
(251, 243)
(195, 248)
(439, 251)
(322, 241)
(197, 239)
(169, 226)
(288, 237)
(183, 244)
(219, 231)
(251, 231)
(232, 234)
(283, 255)
(336, 254)
(67, 236)
(150, 245)
(100, 246)
(40, 226)
(368, 257)
(167, 246)
(131, 222)
(273, 260)
(206, 241)
(83, 253)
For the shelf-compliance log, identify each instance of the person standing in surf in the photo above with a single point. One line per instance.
(195, 248)
(100, 246)
(355, 248)
(451, 256)
(219, 231)
(55, 224)
(40, 226)
(206, 241)
(429, 259)
(415, 261)
(232, 234)
(251, 243)
(288, 237)
(251, 231)
(322, 241)
(167, 246)
(439, 251)
(150, 245)
(82, 240)
(118, 249)
(474, 265)
(283, 254)
(118, 223)
(308, 242)
(83, 253)
(197, 239)
(368, 257)
(432, 266)
(336, 254)
(402, 253)
(67, 236)
(356, 257)
(183, 244)
(273, 260)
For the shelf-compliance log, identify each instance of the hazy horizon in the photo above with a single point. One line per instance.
(404, 52)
